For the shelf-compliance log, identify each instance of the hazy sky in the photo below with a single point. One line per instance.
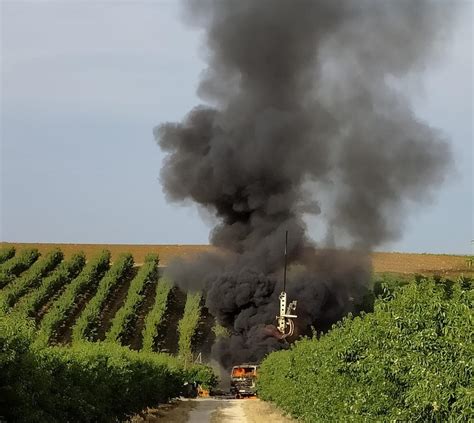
(83, 85)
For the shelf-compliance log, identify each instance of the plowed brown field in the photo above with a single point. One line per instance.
(442, 264)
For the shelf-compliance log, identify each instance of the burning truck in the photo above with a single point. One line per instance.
(243, 380)
(243, 377)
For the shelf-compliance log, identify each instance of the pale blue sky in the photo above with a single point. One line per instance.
(83, 85)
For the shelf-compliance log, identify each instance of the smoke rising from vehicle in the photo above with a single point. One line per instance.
(303, 115)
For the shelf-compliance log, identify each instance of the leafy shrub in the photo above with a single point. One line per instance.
(6, 253)
(410, 360)
(221, 331)
(88, 322)
(30, 304)
(17, 265)
(202, 374)
(188, 324)
(64, 305)
(29, 279)
(87, 382)
(124, 319)
(155, 315)
(17, 370)
(389, 282)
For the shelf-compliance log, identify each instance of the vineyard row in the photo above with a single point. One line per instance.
(66, 300)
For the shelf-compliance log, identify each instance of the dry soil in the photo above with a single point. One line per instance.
(407, 263)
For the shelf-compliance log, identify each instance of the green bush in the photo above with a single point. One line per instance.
(154, 317)
(29, 279)
(88, 322)
(388, 282)
(18, 264)
(202, 374)
(6, 253)
(65, 304)
(188, 324)
(221, 331)
(410, 360)
(17, 370)
(125, 318)
(30, 304)
(88, 382)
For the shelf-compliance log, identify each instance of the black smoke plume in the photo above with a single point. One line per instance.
(304, 115)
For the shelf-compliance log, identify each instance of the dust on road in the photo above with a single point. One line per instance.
(230, 410)
(258, 411)
(175, 412)
(210, 410)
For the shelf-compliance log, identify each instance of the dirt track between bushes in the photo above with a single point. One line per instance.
(210, 410)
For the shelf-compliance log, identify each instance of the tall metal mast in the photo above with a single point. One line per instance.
(285, 323)
(286, 253)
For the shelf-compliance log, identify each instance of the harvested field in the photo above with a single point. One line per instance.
(419, 263)
(443, 264)
(165, 252)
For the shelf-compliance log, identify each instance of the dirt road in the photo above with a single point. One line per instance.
(209, 410)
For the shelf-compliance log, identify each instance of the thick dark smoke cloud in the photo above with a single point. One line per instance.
(304, 117)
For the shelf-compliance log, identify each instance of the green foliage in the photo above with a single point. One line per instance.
(18, 264)
(221, 331)
(30, 304)
(410, 360)
(88, 322)
(61, 308)
(29, 279)
(17, 366)
(203, 375)
(88, 382)
(188, 324)
(388, 282)
(6, 253)
(153, 319)
(124, 319)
